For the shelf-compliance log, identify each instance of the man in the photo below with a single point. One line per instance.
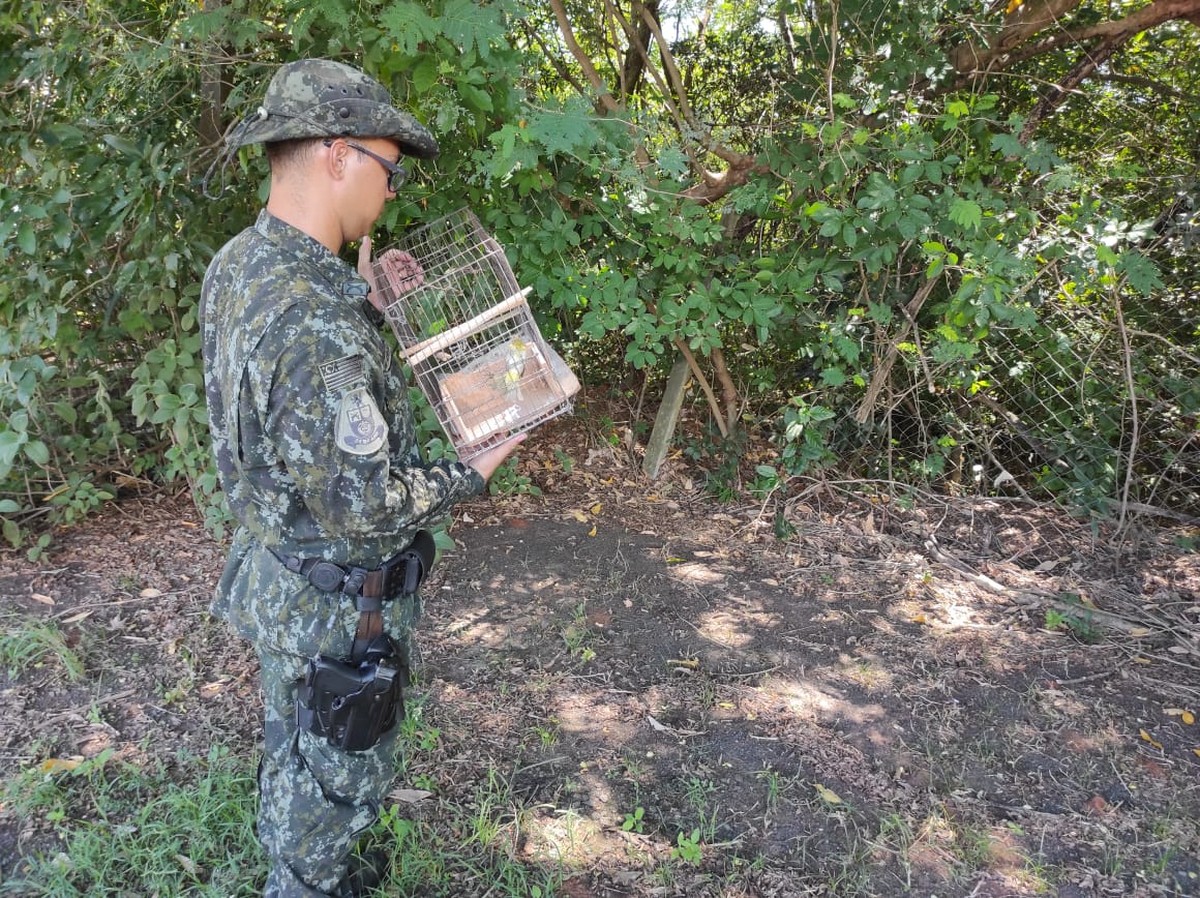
(316, 453)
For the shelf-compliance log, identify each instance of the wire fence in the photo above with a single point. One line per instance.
(1084, 408)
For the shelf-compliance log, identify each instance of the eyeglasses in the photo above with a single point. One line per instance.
(397, 174)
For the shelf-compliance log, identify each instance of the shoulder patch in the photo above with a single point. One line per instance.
(341, 373)
(360, 428)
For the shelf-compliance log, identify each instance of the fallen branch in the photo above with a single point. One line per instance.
(704, 385)
(1149, 628)
(1106, 619)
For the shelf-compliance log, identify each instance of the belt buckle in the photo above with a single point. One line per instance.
(326, 576)
(355, 581)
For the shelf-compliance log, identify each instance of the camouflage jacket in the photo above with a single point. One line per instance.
(311, 427)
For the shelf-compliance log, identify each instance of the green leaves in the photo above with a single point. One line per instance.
(966, 214)
(570, 128)
(805, 273)
(408, 25)
(473, 27)
(474, 97)
(27, 238)
(15, 441)
(11, 442)
(424, 74)
(1142, 273)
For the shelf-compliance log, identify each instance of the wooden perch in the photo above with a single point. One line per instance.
(423, 350)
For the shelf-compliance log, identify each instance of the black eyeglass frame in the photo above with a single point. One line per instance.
(397, 174)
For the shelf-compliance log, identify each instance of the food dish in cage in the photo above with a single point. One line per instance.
(466, 329)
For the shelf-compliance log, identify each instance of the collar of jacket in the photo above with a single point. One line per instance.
(336, 271)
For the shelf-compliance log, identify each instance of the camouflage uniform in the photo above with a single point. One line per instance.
(314, 442)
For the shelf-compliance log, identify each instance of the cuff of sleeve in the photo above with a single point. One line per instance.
(478, 484)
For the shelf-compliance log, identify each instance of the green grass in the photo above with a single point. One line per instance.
(124, 830)
(461, 847)
(26, 645)
(184, 826)
(578, 634)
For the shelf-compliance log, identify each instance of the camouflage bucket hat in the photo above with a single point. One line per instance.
(323, 98)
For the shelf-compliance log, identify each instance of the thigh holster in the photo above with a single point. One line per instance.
(354, 701)
(352, 704)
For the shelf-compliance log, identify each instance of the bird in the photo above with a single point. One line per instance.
(515, 354)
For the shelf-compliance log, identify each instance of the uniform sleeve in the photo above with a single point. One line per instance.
(339, 418)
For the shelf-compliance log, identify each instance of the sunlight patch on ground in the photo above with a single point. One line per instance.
(473, 627)
(592, 716)
(695, 572)
(870, 673)
(565, 837)
(952, 603)
(732, 630)
(802, 699)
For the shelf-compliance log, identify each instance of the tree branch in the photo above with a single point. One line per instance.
(1080, 71)
(714, 406)
(970, 59)
(634, 67)
(703, 134)
(1150, 84)
(637, 47)
(1134, 416)
(606, 103)
(1020, 25)
(559, 66)
(604, 96)
(883, 369)
(717, 184)
(728, 388)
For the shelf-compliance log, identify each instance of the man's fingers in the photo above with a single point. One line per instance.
(489, 460)
(367, 272)
(364, 258)
(402, 270)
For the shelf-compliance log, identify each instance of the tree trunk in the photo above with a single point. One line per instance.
(214, 91)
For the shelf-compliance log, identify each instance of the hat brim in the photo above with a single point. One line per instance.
(390, 123)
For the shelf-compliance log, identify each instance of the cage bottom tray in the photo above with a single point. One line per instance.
(505, 393)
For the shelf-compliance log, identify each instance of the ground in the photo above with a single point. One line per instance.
(638, 690)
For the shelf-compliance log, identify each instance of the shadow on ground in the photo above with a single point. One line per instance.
(643, 693)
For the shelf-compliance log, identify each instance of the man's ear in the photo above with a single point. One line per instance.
(335, 158)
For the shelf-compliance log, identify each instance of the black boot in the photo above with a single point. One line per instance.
(365, 873)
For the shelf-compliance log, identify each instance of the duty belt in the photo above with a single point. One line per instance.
(400, 575)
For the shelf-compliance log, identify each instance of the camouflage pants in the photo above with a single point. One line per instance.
(316, 800)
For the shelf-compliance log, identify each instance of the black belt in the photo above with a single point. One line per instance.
(400, 575)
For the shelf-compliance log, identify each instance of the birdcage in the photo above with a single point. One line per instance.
(466, 329)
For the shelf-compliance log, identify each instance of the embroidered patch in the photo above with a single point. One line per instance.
(341, 373)
(360, 428)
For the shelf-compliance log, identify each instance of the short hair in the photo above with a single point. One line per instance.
(285, 154)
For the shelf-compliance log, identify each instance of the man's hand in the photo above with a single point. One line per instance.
(367, 271)
(487, 461)
(403, 272)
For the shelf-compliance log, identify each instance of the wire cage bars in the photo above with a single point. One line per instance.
(467, 331)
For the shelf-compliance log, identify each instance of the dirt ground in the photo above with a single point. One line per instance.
(845, 693)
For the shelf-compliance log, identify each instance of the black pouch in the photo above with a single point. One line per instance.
(352, 705)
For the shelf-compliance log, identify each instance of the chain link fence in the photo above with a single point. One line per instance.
(1090, 407)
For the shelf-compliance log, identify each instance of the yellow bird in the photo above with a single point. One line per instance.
(516, 353)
